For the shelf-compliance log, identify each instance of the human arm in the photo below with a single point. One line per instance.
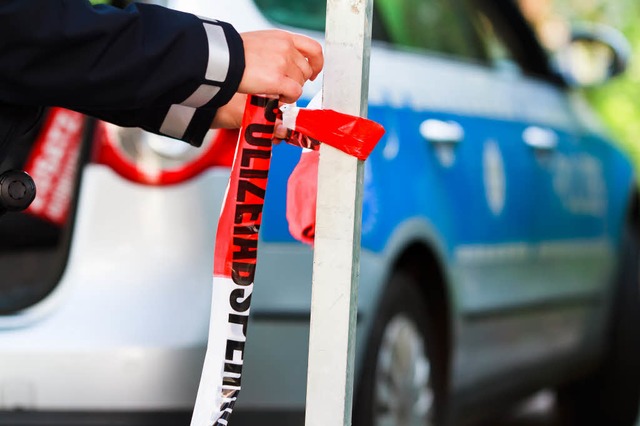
(135, 65)
(144, 66)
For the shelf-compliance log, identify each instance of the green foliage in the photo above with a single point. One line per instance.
(618, 102)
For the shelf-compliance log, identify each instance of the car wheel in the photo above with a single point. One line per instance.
(610, 396)
(397, 385)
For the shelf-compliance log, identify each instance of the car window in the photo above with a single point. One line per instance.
(34, 244)
(440, 26)
(497, 51)
(437, 25)
(511, 40)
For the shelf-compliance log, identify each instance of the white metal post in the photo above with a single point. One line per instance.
(336, 260)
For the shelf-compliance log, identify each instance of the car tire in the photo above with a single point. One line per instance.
(399, 382)
(610, 396)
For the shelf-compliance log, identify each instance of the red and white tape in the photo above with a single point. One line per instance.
(236, 247)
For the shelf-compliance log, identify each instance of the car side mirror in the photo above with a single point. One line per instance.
(595, 54)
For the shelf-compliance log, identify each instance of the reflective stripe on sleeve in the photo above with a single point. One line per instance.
(217, 70)
(177, 120)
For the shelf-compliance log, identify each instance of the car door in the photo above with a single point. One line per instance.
(571, 255)
(460, 126)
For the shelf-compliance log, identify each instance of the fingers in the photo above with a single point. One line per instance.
(312, 51)
(290, 91)
(280, 132)
(298, 69)
(303, 66)
(279, 63)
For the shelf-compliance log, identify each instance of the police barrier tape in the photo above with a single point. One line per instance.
(234, 265)
(236, 246)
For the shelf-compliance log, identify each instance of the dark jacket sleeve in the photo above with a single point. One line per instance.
(146, 66)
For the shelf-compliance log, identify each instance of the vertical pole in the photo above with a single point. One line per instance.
(336, 260)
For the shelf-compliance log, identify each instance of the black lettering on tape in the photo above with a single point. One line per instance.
(254, 174)
(234, 346)
(271, 110)
(259, 101)
(259, 129)
(254, 211)
(238, 306)
(270, 105)
(242, 273)
(242, 320)
(248, 154)
(232, 368)
(226, 413)
(248, 248)
(232, 381)
(245, 186)
(246, 230)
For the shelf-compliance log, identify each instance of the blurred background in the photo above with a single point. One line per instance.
(618, 102)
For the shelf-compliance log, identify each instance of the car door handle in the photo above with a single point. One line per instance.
(441, 132)
(540, 139)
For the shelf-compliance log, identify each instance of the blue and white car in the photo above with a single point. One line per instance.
(499, 247)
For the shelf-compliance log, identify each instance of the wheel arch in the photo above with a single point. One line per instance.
(421, 262)
(417, 249)
(415, 252)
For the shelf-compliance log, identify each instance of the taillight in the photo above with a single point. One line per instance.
(151, 159)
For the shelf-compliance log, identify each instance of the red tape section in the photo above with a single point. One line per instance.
(236, 248)
(353, 135)
(235, 257)
(241, 216)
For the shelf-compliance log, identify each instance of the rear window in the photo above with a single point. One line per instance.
(34, 244)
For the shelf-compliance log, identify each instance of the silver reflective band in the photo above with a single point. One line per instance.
(177, 120)
(218, 65)
(201, 96)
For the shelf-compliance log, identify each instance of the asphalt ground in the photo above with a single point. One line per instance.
(536, 411)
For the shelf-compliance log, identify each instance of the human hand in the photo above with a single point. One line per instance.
(279, 63)
(229, 116)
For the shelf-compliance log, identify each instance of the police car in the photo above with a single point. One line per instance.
(499, 243)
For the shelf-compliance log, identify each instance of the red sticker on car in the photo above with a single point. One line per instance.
(53, 163)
